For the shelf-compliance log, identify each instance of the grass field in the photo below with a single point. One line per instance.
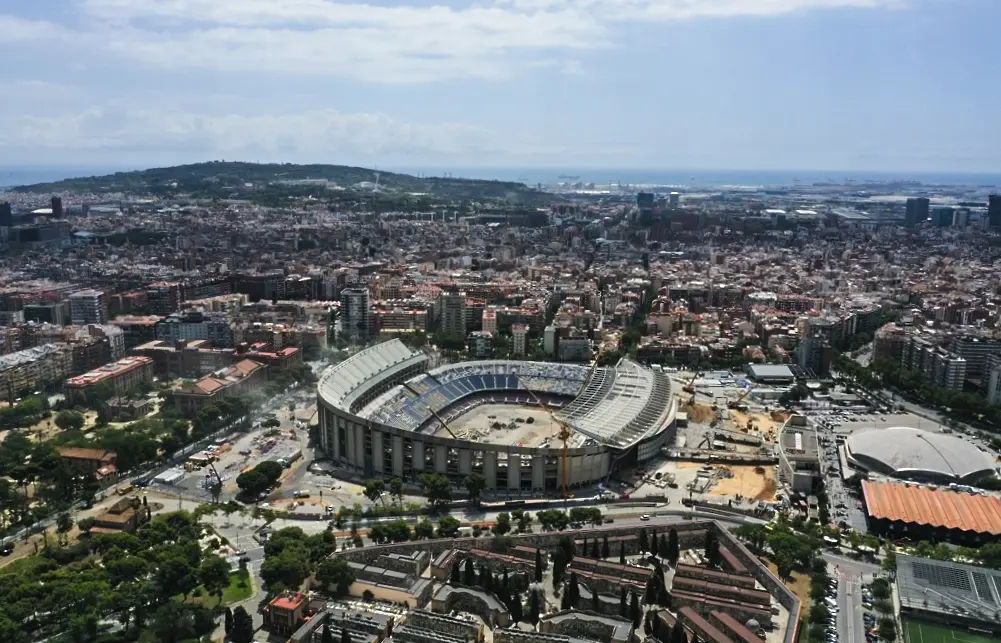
(239, 589)
(920, 632)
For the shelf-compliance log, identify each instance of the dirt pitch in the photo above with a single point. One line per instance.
(479, 425)
(756, 483)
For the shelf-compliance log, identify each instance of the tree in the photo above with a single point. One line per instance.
(595, 603)
(502, 525)
(448, 527)
(605, 553)
(253, 482)
(673, 548)
(623, 605)
(228, 621)
(887, 630)
(634, 610)
(453, 577)
(475, 483)
(538, 565)
(622, 554)
(533, 607)
(337, 574)
(644, 545)
(70, 420)
(423, 529)
(345, 635)
(374, 489)
(469, 575)
(514, 606)
(573, 590)
(64, 523)
(214, 575)
(595, 551)
(437, 489)
(396, 489)
(243, 626)
(559, 565)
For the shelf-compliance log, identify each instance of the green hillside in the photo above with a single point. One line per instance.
(223, 179)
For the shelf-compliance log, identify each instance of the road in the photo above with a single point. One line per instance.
(851, 575)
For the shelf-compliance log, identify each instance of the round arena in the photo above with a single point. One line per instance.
(390, 411)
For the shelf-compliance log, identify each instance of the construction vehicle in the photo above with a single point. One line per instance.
(690, 386)
(441, 420)
(737, 404)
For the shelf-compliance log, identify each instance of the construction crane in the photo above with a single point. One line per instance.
(218, 478)
(690, 386)
(442, 421)
(736, 404)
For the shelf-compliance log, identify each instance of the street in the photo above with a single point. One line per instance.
(850, 575)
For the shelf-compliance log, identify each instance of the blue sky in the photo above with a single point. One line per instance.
(900, 85)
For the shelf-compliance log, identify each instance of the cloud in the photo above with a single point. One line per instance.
(375, 42)
(320, 133)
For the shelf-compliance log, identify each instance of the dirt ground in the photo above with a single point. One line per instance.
(476, 425)
(799, 584)
(702, 413)
(764, 423)
(757, 483)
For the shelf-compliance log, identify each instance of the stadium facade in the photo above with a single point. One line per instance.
(376, 417)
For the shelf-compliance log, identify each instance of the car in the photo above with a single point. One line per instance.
(645, 517)
(7, 549)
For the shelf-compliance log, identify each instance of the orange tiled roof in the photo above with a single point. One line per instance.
(933, 507)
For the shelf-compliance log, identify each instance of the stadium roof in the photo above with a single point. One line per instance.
(342, 384)
(933, 507)
(905, 450)
(622, 405)
(945, 587)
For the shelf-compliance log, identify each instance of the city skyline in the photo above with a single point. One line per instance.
(859, 85)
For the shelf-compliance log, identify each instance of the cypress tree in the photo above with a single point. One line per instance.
(622, 554)
(622, 602)
(595, 603)
(595, 551)
(469, 579)
(328, 636)
(678, 634)
(533, 607)
(662, 546)
(673, 548)
(574, 591)
(604, 547)
(229, 617)
(634, 610)
(538, 565)
(453, 577)
(643, 541)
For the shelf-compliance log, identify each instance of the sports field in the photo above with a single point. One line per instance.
(921, 632)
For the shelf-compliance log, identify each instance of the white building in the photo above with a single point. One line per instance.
(520, 334)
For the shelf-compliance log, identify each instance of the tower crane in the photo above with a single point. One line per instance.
(442, 421)
(736, 404)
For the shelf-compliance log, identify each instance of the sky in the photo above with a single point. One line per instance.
(893, 85)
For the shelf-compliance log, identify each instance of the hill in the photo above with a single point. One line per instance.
(225, 179)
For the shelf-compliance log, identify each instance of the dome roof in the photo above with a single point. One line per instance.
(906, 452)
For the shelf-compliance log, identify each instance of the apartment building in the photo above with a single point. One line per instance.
(124, 376)
(33, 368)
(88, 307)
(243, 377)
(195, 324)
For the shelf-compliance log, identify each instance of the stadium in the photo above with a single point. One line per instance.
(964, 598)
(922, 456)
(381, 413)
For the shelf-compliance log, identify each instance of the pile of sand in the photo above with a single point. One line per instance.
(756, 483)
(699, 412)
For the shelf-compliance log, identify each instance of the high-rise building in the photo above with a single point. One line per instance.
(88, 307)
(814, 353)
(917, 211)
(356, 313)
(520, 334)
(453, 313)
(942, 217)
(994, 211)
(994, 386)
(57, 207)
(644, 201)
(6, 215)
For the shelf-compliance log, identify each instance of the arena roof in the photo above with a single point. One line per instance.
(945, 587)
(342, 384)
(933, 507)
(905, 450)
(622, 405)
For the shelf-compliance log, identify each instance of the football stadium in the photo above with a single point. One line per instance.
(391, 411)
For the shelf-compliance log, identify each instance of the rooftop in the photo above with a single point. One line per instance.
(933, 507)
(945, 587)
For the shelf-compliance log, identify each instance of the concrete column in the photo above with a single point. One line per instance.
(397, 456)
(377, 456)
(538, 472)
(440, 459)
(490, 469)
(513, 471)
(359, 432)
(465, 461)
(349, 443)
(418, 457)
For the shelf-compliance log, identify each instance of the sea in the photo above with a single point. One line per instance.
(682, 178)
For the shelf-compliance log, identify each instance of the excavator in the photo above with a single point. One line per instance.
(690, 386)
(737, 404)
